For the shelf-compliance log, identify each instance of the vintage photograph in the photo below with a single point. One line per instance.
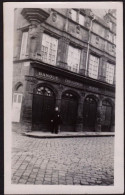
(63, 96)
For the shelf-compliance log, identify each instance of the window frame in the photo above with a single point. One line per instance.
(106, 79)
(49, 48)
(23, 51)
(74, 48)
(79, 19)
(76, 14)
(89, 74)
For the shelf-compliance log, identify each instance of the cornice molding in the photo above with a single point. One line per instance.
(36, 15)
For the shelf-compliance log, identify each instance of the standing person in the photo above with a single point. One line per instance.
(55, 121)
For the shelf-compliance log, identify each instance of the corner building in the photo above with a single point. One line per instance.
(64, 58)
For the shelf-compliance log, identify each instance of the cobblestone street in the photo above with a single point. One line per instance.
(66, 161)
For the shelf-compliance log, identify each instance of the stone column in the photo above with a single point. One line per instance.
(102, 69)
(27, 103)
(34, 33)
(99, 117)
(58, 101)
(62, 53)
(83, 62)
(39, 43)
(113, 120)
(79, 124)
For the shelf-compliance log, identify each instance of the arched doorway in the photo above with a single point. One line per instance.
(89, 113)
(43, 106)
(69, 105)
(107, 115)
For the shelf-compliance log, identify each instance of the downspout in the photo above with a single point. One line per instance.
(86, 70)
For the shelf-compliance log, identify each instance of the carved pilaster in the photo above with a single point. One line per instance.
(99, 117)
(62, 52)
(79, 125)
(83, 62)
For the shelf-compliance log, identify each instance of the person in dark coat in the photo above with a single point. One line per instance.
(55, 121)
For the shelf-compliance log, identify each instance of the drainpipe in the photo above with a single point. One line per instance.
(88, 46)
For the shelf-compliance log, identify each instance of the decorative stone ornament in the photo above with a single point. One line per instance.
(33, 31)
(54, 16)
(78, 29)
(35, 14)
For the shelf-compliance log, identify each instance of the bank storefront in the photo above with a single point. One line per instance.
(84, 105)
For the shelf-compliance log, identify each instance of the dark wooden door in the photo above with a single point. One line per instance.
(43, 106)
(89, 114)
(68, 112)
(107, 110)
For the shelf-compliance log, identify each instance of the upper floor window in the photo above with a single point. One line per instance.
(110, 37)
(49, 49)
(114, 39)
(73, 15)
(110, 25)
(24, 45)
(81, 19)
(93, 67)
(73, 59)
(109, 73)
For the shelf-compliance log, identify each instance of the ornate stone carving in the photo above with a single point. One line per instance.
(61, 87)
(31, 79)
(54, 16)
(78, 29)
(33, 31)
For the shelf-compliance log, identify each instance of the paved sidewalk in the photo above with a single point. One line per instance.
(40, 134)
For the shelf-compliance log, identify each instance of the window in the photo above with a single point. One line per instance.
(73, 59)
(73, 15)
(24, 45)
(109, 73)
(110, 37)
(114, 40)
(49, 49)
(110, 25)
(93, 67)
(81, 19)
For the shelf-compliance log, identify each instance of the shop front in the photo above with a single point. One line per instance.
(78, 103)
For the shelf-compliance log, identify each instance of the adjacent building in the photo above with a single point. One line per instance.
(64, 58)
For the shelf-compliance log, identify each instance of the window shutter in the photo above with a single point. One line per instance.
(24, 45)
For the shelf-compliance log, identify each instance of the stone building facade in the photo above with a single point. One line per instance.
(64, 58)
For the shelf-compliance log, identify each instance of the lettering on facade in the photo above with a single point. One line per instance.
(73, 83)
(48, 76)
(93, 88)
